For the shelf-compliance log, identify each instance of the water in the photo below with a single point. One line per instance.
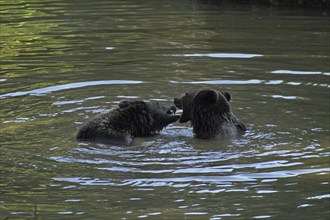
(63, 63)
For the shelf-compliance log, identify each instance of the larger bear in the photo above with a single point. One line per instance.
(210, 114)
(131, 119)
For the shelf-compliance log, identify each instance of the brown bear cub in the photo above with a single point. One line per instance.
(209, 113)
(131, 119)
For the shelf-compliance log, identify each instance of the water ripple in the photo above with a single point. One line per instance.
(286, 97)
(220, 55)
(300, 72)
(248, 82)
(46, 90)
(223, 82)
(69, 102)
(192, 180)
(325, 196)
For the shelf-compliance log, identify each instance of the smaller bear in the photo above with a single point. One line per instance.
(209, 113)
(131, 119)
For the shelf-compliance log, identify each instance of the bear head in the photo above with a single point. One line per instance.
(210, 114)
(159, 116)
(207, 99)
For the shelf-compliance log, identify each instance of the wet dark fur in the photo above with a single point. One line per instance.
(210, 114)
(131, 119)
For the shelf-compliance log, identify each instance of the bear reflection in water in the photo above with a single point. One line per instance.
(210, 114)
(131, 119)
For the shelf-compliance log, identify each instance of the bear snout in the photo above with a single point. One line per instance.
(177, 102)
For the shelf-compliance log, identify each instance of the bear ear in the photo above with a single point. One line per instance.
(227, 95)
(207, 96)
(124, 104)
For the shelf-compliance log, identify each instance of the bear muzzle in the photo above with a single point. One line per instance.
(177, 103)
